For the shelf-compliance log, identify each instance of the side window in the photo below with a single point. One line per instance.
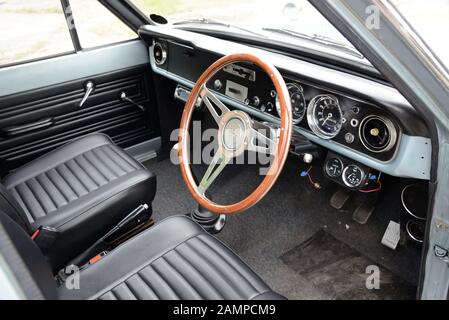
(97, 26)
(31, 29)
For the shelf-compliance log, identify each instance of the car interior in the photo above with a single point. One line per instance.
(99, 172)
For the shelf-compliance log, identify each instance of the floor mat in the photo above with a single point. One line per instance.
(341, 272)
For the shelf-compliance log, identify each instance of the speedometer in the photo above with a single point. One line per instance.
(324, 116)
(298, 102)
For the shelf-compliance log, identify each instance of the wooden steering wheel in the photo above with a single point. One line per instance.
(237, 132)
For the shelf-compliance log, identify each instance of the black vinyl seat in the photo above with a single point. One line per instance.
(82, 189)
(175, 259)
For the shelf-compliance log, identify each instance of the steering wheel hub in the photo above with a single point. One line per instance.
(234, 134)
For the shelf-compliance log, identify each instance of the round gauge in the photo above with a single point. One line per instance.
(353, 176)
(324, 116)
(298, 102)
(334, 167)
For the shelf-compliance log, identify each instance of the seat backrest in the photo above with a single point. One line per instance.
(25, 260)
(10, 207)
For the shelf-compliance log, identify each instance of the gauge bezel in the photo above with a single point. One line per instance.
(327, 171)
(313, 121)
(390, 127)
(163, 59)
(345, 181)
(300, 88)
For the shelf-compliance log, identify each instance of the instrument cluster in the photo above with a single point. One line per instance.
(324, 115)
(329, 115)
(351, 122)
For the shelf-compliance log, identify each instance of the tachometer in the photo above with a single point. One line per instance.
(298, 102)
(324, 116)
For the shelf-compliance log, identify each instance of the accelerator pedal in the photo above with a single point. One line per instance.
(392, 235)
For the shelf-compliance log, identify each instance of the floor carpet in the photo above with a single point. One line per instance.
(341, 272)
(290, 214)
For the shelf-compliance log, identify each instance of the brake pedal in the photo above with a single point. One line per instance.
(363, 213)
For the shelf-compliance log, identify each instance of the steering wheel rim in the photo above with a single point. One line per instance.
(281, 147)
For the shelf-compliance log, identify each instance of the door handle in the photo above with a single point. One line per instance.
(27, 127)
(89, 88)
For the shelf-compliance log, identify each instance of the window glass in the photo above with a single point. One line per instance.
(97, 26)
(430, 19)
(295, 22)
(31, 29)
(291, 20)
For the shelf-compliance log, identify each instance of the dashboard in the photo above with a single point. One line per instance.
(326, 113)
(364, 124)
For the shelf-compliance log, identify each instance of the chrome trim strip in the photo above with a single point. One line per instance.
(410, 234)
(406, 208)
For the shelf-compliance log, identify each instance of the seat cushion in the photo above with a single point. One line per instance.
(175, 259)
(83, 189)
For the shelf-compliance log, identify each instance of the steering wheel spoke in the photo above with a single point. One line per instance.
(210, 100)
(216, 166)
(263, 139)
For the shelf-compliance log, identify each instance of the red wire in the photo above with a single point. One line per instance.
(310, 177)
(379, 187)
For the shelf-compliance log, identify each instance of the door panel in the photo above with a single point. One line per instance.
(37, 121)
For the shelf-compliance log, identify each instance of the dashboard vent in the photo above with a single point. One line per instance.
(377, 133)
(159, 53)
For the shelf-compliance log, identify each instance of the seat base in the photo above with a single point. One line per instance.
(175, 259)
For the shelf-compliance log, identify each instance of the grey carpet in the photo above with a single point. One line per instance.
(341, 272)
(291, 213)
